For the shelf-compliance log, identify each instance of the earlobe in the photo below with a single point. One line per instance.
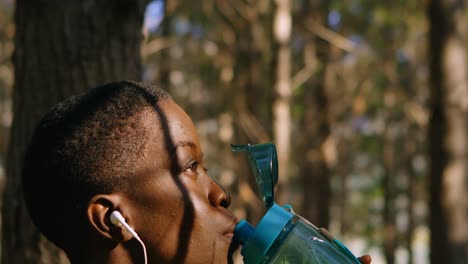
(98, 213)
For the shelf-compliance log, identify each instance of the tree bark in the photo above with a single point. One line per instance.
(164, 56)
(447, 132)
(409, 153)
(389, 164)
(315, 123)
(282, 27)
(62, 48)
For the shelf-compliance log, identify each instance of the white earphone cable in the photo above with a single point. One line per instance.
(117, 219)
(144, 248)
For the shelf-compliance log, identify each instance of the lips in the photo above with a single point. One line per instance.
(225, 246)
(230, 230)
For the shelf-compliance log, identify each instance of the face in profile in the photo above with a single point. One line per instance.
(181, 210)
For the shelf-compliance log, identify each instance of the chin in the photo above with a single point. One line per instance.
(223, 250)
(233, 247)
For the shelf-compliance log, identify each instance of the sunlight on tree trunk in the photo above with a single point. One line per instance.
(281, 107)
(449, 159)
(454, 178)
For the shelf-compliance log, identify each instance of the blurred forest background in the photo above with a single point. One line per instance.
(366, 101)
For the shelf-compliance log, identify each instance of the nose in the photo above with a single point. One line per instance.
(218, 196)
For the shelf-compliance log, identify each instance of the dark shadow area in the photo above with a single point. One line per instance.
(188, 217)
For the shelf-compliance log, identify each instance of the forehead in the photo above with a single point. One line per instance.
(170, 127)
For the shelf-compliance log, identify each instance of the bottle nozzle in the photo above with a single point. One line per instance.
(264, 163)
(243, 231)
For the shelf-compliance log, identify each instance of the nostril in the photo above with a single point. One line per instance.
(226, 200)
(218, 196)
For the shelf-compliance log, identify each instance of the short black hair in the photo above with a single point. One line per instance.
(86, 145)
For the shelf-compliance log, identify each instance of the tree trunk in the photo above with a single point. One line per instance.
(409, 154)
(388, 157)
(315, 171)
(447, 132)
(315, 125)
(62, 48)
(164, 56)
(282, 27)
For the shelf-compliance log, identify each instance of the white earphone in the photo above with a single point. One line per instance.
(117, 219)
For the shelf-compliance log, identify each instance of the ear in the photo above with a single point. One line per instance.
(98, 213)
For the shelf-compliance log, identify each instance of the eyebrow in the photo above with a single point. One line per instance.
(182, 144)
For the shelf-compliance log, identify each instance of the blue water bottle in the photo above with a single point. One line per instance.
(282, 236)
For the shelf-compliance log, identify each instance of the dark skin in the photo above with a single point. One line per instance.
(178, 211)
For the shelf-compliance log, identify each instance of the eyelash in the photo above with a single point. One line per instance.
(193, 167)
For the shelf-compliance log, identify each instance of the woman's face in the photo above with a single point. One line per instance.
(181, 214)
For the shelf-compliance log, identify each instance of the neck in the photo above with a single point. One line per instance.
(106, 255)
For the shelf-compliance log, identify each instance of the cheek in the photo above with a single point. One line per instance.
(170, 218)
(206, 246)
(177, 220)
(191, 232)
(203, 221)
(159, 203)
(162, 231)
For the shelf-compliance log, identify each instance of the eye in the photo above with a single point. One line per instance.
(194, 167)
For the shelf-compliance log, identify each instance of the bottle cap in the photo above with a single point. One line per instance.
(256, 242)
